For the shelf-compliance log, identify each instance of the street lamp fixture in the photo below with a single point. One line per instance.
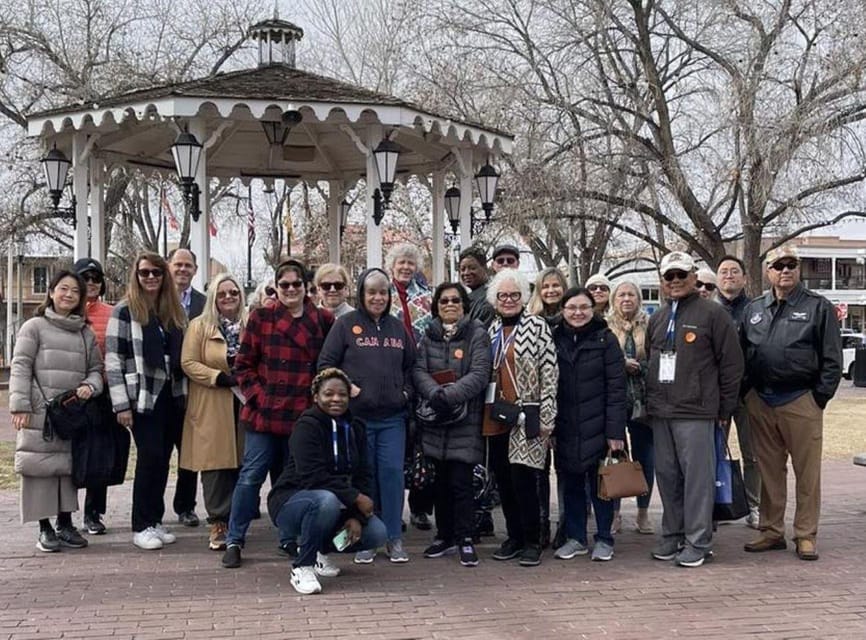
(56, 167)
(486, 180)
(187, 152)
(276, 131)
(20, 249)
(386, 155)
(344, 216)
(452, 207)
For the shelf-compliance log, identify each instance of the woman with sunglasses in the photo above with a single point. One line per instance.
(142, 363)
(212, 442)
(275, 366)
(453, 369)
(519, 423)
(706, 284)
(265, 295)
(332, 281)
(598, 286)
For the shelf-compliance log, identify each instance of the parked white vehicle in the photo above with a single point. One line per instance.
(850, 341)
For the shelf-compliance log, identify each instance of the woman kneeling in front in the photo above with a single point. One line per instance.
(323, 494)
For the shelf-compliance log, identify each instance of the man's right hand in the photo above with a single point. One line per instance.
(124, 419)
(364, 504)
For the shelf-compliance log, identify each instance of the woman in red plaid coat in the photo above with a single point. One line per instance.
(275, 369)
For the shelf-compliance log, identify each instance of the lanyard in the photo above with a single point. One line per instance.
(672, 326)
(500, 346)
(336, 448)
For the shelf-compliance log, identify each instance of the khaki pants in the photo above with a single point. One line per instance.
(794, 429)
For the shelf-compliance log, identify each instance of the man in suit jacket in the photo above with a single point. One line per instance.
(183, 267)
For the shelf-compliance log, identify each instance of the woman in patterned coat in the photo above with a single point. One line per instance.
(526, 373)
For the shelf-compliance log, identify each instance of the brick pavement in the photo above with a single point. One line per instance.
(112, 590)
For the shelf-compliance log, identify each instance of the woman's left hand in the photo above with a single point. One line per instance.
(353, 526)
(84, 392)
(616, 445)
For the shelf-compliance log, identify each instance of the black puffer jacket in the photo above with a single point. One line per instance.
(467, 354)
(591, 400)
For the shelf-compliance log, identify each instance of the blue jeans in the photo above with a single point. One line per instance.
(575, 492)
(259, 451)
(313, 517)
(386, 444)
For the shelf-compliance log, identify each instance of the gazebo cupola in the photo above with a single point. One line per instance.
(277, 40)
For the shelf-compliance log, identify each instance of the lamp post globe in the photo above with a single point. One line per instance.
(486, 180)
(452, 207)
(386, 154)
(56, 166)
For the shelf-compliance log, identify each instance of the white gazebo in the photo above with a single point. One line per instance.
(272, 122)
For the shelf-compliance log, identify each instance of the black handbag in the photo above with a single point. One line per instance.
(66, 416)
(420, 473)
(100, 458)
(505, 412)
(729, 470)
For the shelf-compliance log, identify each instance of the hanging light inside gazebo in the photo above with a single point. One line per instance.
(277, 131)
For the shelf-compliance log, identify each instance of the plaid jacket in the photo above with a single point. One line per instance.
(276, 365)
(132, 382)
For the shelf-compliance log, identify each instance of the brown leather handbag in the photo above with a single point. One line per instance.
(620, 477)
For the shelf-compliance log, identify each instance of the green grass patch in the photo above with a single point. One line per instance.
(8, 477)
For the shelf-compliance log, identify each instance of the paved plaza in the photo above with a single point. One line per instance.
(113, 590)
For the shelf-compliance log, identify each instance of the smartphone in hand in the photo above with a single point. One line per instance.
(341, 540)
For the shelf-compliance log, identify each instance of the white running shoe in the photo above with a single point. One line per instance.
(164, 534)
(304, 580)
(326, 568)
(148, 539)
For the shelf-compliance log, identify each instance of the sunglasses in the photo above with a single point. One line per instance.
(92, 277)
(676, 274)
(332, 286)
(270, 292)
(781, 265)
(450, 300)
(505, 260)
(709, 286)
(502, 296)
(294, 284)
(598, 287)
(231, 293)
(149, 273)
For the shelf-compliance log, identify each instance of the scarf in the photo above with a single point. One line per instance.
(231, 330)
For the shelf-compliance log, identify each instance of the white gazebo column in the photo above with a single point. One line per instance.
(438, 231)
(97, 210)
(199, 234)
(374, 231)
(81, 244)
(466, 200)
(335, 195)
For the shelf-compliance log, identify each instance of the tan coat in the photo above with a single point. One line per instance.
(211, 439)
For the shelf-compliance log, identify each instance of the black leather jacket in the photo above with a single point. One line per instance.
(792, 345)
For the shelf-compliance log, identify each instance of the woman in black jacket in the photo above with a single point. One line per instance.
(591, 418)
(452, 369)
(324, 490)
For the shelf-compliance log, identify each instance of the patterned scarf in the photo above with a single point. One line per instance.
(231, 331)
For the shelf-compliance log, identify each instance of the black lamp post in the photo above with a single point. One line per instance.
(344, 216)
(386, 155)
(187, 152)
(452, 207)
(56, 167)
(486, 180)
(277, 131)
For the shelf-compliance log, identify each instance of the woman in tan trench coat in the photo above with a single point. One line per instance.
(211, 440)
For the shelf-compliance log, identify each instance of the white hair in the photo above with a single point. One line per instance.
(404, 250)
(508, 275)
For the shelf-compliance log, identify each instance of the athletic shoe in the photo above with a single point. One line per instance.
(666, 549)
(508, 550)
(690, 557)
(47, 541)
(164, 534)
(304, 581)
(232, 557)
(570, 549)
(148, 539)
(69, 537)
(753, 520)
(365, 557)
(324, 566)
(217, 537)
(440, 548)
(396, 552)
(288, 549)
(188, 519)
(530, 556)
(93, 525)
(602, 552)
(468, 557)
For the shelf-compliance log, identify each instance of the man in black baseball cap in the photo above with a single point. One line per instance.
(505, 256)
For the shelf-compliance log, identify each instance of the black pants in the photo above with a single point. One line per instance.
(187, 481)
(454, 501)
(152, 433)
(218, 485)
(95, 500)
(518, 490)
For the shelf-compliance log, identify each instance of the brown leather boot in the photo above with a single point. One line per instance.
(765, 543)
(806, 549)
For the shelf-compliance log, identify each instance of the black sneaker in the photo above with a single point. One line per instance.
(93, 525)
(484, 523)
(508, 550)
(69, 537)
(188, 519)
(232, 557)
(530, 556)
(288, 549)
(440, 548)
(468, 557)
(48, 541)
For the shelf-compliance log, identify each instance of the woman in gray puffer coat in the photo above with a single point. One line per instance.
(453, 367)
(57, 351)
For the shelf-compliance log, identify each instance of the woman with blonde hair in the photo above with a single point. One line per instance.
(211, 440)
(628, 322)
(142, 363)
(546, 299)
(332, 282)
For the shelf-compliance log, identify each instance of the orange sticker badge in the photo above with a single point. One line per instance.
(458, 353)
(357, 330)
(690, 337)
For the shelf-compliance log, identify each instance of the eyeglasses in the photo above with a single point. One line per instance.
(781, 265)
(149, 273)
(583, 308)
(270, 292)
(505, 260)
(332, 286)
(450, 300)
(676, 274)
(709, 286)
(231, 293)
(92, 277)
(598, 287)
(294, 284)
(502, 296)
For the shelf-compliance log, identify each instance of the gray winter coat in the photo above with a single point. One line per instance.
(467, 354)
(61, 353)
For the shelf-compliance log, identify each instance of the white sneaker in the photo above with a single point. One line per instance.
(326, 568)
(148, 539)
(164, 534)
(304, 580)
(753, 520)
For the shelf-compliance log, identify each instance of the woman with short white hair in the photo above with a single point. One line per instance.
(519, 422)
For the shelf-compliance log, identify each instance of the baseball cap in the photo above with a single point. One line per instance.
(785, 251)
(677, 261)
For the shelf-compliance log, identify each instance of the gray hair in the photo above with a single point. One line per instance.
(375, 279)
(404, 250)
(508, 275)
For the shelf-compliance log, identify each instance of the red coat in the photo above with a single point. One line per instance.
(277, 363)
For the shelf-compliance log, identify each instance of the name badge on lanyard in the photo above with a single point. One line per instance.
(667, 367)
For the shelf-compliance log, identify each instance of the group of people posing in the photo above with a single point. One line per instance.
(491, 378)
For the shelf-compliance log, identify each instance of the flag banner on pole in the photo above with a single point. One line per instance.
(212, 227)
(166, 207)
(251, 221)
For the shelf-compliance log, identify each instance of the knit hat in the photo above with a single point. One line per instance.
(84, 265)
(598, 278)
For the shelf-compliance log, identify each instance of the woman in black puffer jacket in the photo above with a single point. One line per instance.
(454, 347)
(591, 417)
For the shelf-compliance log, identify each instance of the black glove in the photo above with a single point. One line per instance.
(226, 380)
(821, 399)
(438, 401)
